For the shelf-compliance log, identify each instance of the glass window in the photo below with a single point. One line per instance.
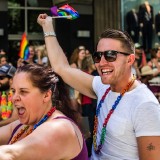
(22, 17)
(40, 3)
(134, 5)
(32, 20)
(16, 21)
(15, 3)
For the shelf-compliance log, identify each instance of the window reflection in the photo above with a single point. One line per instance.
(16, 3)
(16, 21)
(22, 17)
(32, 20)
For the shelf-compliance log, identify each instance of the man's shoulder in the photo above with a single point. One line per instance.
(142, 94)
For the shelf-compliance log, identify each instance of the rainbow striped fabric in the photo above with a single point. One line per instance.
(65, 11)
(24, 49)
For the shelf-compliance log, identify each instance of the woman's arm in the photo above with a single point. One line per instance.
(52, 140)
(6, 131)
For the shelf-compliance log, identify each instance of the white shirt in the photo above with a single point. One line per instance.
(137, 114)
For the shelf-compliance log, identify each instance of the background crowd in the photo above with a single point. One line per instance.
(146, 70)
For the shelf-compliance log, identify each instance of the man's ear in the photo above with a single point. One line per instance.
(131, 58)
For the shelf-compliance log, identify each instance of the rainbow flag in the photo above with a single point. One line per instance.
(24, 49)
(65, 11)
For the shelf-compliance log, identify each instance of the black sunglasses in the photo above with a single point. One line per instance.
(109, 55)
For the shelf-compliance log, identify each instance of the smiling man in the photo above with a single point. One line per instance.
(127, 122)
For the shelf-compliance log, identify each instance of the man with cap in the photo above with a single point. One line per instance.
(7, 113)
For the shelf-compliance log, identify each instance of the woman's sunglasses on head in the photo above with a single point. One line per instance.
(109, 55)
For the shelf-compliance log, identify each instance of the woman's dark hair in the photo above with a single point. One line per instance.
(44, 78)
(122, 36)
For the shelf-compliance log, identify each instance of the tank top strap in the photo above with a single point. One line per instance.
(83, 154)
(14, 131)
(63, 117)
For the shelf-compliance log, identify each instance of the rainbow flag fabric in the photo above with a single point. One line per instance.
(65, 11)
(24, 48)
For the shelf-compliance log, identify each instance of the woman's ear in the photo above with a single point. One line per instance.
(47, 96)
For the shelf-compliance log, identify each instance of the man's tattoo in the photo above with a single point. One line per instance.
(150, 147)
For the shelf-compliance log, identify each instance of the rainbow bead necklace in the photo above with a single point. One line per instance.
(103, 132)
(15, 139)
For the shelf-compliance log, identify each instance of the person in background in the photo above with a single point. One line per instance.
(146, 74)
(88, 110)
(46, 127)
(155, 65)
(41, 55)
(76, 59)
(154, 62)
(32, 54)
(88, 53)
(7, 111)
(31, 58)
(2, 52)
(86, 102)
(127, 121)
(140, 55)
(140, 60)
(3, 60)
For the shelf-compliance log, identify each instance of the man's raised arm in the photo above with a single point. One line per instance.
(73, 77)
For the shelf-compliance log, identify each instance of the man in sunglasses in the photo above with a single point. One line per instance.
(7, 112)
(127, 121)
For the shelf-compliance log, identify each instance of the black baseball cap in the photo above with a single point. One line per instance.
(7, 70)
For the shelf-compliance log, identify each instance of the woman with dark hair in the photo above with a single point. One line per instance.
(46, 127)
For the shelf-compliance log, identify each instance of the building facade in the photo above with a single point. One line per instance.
(19, 16)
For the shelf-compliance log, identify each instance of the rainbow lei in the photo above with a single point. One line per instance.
(103, 132)
(6, 106)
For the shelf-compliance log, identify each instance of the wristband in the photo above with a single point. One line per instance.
(47, 34)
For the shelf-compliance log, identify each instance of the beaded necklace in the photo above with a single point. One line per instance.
(103, 132)
(22, 131)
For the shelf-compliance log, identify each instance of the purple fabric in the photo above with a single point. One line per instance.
(54, 11)
(83, 155)
(14, 131)
(154, 88)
